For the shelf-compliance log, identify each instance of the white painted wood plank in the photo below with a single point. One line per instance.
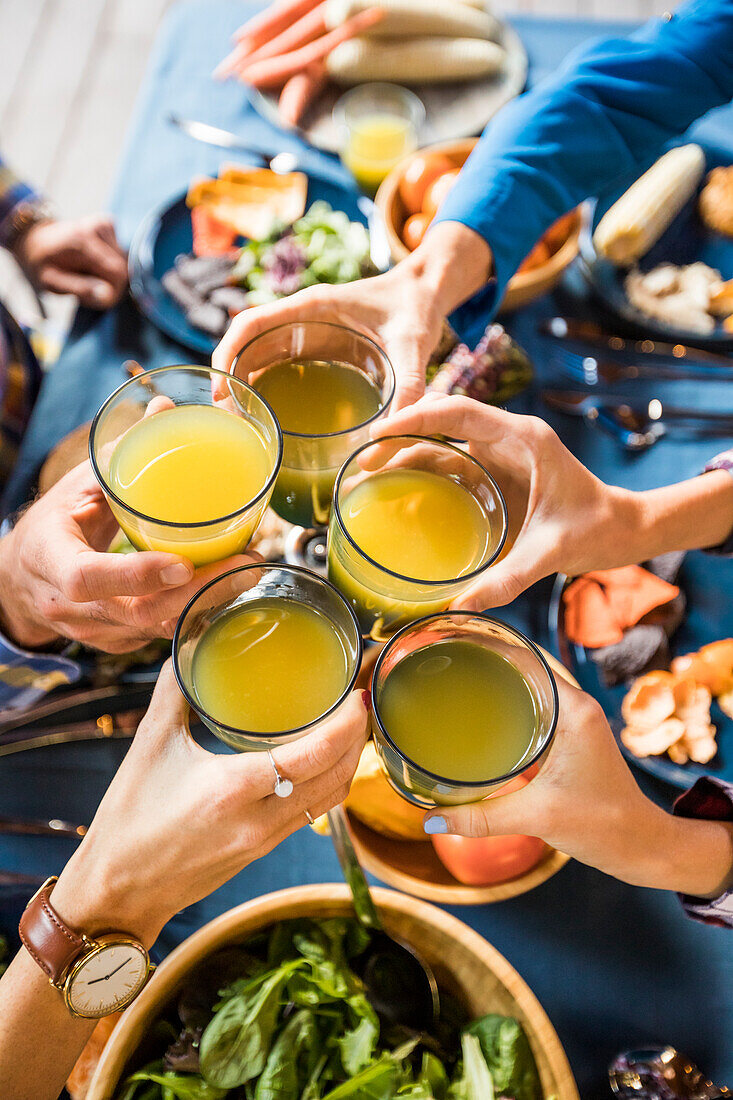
(19, 22)
(35, 127)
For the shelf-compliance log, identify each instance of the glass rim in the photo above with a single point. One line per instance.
(415, 104)
(470, 784)
(336, 510)
(344, 328)
(272, 734)
(186, 524)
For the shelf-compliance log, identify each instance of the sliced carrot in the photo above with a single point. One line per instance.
(299, 92)
(273, 20)
(210, 236)
(298, 34)
(274, 71)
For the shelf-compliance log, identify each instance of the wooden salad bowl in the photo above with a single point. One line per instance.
(523, 287)
(464, 963)
(413, 866)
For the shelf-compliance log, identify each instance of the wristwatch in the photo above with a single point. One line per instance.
(97, 976)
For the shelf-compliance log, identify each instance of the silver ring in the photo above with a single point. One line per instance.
(283, 787)
(309, 817)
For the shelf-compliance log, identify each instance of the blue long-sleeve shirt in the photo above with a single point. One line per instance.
(601, 119)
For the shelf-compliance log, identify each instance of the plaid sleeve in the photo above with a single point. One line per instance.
(711, 799)
(12, 192)
(723, 461)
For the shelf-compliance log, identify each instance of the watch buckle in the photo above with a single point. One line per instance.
(41, 888)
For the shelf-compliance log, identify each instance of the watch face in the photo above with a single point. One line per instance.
(107, 979)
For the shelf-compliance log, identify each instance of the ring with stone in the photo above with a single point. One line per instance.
(283, 786)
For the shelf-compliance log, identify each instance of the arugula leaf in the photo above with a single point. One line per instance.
(235, 1044)
(357, 1046)
(291, 1061)
(507, 1052)
(377, 1082)
(175, 1086)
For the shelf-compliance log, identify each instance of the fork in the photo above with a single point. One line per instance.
(591, 371)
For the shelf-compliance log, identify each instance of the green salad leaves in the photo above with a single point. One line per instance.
(286, 1017)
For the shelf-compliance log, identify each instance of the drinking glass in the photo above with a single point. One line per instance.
(205, 542)
(235, 590)
(310, 462)
(385, 601)
(378, 125)
(424, 788)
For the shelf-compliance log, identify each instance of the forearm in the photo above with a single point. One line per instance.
(451, 264)
(39, 1039)
(690, 515)
(595, 124)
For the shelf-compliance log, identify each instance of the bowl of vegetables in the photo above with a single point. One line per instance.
(409, 199)
(265, 1001)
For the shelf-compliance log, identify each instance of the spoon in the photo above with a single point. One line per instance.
(401, 986)
(661, 1073)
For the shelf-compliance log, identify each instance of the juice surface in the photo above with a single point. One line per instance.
(270, 666)
(190, 464)
(314, 397)
(459, 710)
(374, 145)
(418, 524)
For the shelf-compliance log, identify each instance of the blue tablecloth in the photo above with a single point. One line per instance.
(614, 966)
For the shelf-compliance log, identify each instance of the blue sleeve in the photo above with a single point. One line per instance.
(604, 117)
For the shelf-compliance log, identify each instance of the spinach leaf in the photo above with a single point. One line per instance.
(507, 1052)
(235, 1044)
(379, 1081)
(479, 1082)
(291, 1061)
(433, 1075)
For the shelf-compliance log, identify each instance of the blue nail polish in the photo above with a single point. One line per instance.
(435, 825)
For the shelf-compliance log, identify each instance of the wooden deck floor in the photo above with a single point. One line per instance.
(69, 75)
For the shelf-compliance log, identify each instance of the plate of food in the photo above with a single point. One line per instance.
(268, 995)
(247, 237)
(661, 254)
(296, 59)
(654, 645)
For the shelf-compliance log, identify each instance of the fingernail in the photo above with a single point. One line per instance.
(175, 574)
(101, 292)
(366, 698)
(435, 826)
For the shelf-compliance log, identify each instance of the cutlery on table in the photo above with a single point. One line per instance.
(591, 371)
(400, 984)
(21, 826)
(280, 162)
(586, 332)
(13, 878)
(661, 1073)
(636, 427)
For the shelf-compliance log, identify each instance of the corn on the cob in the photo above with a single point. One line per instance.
(415, 60)
(411, 18)
(637, 220)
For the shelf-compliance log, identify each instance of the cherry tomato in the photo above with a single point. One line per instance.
(414, 230)
(483, 861)
(418, 175)
(437, 191)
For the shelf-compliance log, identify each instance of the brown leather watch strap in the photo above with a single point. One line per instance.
(47, 939)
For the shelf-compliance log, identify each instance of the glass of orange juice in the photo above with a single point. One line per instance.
(379, 124)
(187, 457)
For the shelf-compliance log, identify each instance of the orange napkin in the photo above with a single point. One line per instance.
(601, 605)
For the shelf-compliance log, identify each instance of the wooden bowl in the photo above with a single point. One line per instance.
(413, 866)
(523, 287)
(465, 965)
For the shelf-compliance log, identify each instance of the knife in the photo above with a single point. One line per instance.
(567, 328)
(19, 826)
(591, 370)
(581, 403)
(276, 159)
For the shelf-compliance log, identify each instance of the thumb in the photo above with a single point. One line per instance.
(501, 583)
(502, 815)
(168, 707)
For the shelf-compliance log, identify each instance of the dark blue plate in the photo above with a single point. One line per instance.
(707, 582)
(166, 233)
(686, 241)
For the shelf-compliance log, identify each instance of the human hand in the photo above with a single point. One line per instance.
(178, 821)
(585, 802)
(75, 257)
(561, 517)
(402, 309)
(57, 581)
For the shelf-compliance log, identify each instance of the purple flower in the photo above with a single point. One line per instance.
(284, 264)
